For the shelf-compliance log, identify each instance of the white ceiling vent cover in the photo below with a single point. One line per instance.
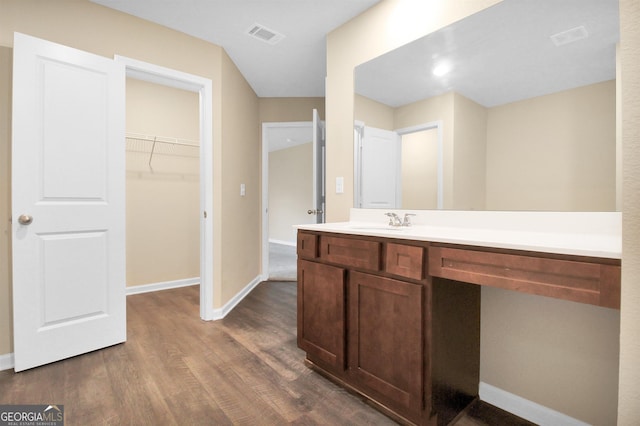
(265, 34)
(569, 36)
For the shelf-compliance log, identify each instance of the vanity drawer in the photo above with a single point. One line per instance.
(405, 261)
(351, 252)
(568, 279)
(307, 245)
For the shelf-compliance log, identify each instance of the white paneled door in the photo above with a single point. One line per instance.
(68, 208)
(380, 185)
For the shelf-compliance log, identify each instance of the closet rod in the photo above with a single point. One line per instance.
(163, 139)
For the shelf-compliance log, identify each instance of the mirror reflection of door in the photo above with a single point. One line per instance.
(398, 169)
(379, 169)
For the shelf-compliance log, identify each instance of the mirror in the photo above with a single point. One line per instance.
(526, 99)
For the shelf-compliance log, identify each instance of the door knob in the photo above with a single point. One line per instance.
(314, 211)
(25, 219)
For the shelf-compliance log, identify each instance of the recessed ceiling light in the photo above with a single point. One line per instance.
(441, 69)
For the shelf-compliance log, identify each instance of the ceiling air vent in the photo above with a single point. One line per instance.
(265, 34)
(569, 36)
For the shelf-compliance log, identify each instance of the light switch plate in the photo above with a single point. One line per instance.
(339, 185)
(243, 190)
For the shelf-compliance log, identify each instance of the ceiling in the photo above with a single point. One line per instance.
(501, 55)
(294, 67)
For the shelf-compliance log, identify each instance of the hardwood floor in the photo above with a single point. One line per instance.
(176, 369)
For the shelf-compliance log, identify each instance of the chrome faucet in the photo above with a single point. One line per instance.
(394, 219)
(407, 219)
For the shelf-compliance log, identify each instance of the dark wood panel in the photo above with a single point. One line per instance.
(351, 252)
(386, 341)
(455, 346)
(575, 280)
(307, 246)
(321, 307)
(405, 261)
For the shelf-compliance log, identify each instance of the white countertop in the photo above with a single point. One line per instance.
(593, 234)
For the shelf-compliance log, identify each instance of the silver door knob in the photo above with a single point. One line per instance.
(25, 219)
(314, 211)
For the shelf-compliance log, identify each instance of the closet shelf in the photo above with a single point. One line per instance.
(160, 145)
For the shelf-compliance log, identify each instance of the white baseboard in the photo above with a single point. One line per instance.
(222, 312)
(524, 408)
(6, 361)
(166, 285)
(282, 242)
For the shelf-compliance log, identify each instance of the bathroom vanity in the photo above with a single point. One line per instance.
(393, 313)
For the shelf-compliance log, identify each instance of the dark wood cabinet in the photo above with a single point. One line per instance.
(592, 281)
(398, 321)
(386, 341)
(321, 314)
(366, 320)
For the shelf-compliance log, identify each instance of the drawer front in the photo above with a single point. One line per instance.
(405, 261)
(351, 252)
(307, 245)
(578, 281)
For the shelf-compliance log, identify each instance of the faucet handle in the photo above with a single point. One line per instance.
(394, 220)
(407, 219)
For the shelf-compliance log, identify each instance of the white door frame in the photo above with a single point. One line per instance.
(265, 187)
(203, 86)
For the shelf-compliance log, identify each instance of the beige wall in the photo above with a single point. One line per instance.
(470, 152)
(419, 166)
(554, 152)
(629, 390)
(240, 219)
(163, 198)
(374, 114)
(282, 110)
(93, 28)
(290, 195)
(538, 323)
(562, 355)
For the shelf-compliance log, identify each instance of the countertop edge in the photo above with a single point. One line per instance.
(573, 244)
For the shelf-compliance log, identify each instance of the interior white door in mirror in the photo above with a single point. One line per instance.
(379, 179)
(318, 168)
(67, 202)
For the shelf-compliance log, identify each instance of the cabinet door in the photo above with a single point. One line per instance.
(321, 313)
(386, 340)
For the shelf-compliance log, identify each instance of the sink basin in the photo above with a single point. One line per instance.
(375, 228)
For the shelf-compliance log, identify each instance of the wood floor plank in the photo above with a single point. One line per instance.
(176, 369)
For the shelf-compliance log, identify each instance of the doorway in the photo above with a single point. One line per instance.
(146, 72)
(162, 187)
(286, 192)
